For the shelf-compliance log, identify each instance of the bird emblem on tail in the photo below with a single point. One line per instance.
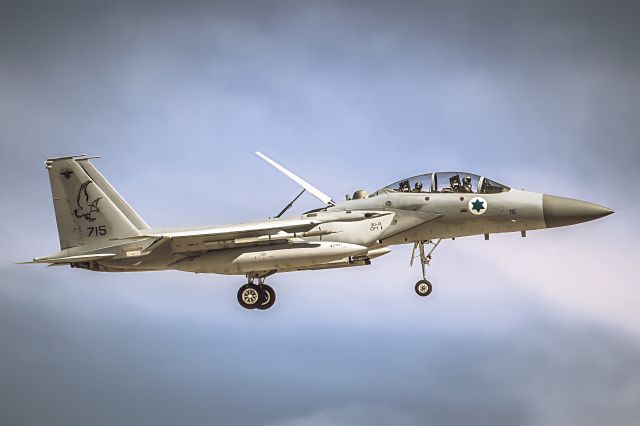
(85, 208)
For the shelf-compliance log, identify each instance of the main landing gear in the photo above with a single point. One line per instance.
(256, 296)
(423, 287)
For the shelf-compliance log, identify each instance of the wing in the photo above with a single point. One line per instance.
(274, 231)
(70, 259)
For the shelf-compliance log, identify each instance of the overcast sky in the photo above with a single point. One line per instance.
(351, 95)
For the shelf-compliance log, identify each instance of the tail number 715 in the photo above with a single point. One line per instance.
(97, 231)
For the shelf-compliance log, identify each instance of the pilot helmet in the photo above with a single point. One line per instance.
(467, 179)
(418, 186)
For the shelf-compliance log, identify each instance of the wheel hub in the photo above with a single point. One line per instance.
(250, 296)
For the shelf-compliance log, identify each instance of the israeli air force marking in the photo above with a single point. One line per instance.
(478, 205)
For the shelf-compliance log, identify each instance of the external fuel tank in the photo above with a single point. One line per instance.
(269, 258)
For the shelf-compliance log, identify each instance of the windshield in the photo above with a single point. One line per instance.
(492, 187)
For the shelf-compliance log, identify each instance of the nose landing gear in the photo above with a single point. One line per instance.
(423, 287)
(256, 296)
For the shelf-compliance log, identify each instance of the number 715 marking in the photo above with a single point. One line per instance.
(97, 231)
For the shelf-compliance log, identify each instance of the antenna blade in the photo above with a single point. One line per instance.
(303, 183)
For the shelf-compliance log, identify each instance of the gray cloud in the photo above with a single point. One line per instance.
(107, 363)
(565, 75)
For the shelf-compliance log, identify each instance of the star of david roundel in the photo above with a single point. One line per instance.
(478, 205)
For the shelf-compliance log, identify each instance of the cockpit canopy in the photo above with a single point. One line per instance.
(444, 182)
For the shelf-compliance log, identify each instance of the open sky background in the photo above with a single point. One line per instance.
(176, 96)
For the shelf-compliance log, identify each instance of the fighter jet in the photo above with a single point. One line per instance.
(100, 231)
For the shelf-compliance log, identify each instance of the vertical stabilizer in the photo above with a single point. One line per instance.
(85, 214)
(113, 195)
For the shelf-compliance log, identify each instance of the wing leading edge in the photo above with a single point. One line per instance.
(274, 231)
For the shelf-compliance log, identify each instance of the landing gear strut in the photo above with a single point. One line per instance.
(256, 296)
(423, 287)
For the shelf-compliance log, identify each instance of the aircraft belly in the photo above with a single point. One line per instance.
(269, 258)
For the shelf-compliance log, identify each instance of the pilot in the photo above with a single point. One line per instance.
(454, 181)
(404, 186)
(466, 184)
(417, 187)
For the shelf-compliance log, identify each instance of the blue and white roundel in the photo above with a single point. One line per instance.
(478, 205)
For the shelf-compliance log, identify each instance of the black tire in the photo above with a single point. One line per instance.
(250, 296)
(423, 288)
(269, 297)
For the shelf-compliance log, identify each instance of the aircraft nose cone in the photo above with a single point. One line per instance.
(560, 211)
